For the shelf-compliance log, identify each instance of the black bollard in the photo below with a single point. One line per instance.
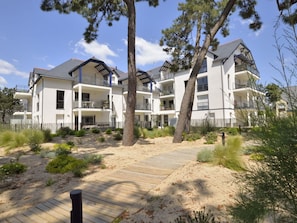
(76, 212)
(223, 138)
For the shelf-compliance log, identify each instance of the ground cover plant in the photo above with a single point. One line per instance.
(11, 168)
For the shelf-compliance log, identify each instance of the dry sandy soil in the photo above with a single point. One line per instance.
(192, 187)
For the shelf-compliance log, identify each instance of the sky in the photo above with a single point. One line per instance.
(31, 38)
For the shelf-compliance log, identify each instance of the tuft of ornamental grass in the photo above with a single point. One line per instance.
(158, 132)
(205, 156)
(229, 156)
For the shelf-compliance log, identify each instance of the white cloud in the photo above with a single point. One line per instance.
(50, 66)
(3, 82)
(100, 51)
(7, 68)
(148, 52)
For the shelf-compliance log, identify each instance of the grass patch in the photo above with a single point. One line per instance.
(229, 155)
(157, 132)
(205, 156)
(211, 138)
(191, 136)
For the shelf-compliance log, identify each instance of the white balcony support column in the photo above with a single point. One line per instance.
(110, 107)
(248, 99)
(79, 106)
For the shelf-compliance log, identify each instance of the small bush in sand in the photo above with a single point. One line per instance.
(229, 155)
(205, 156)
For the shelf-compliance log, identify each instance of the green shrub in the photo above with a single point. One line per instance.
(156, 132)
(120, 130)
(47, 154)
(117, 136)
(205, 155)
(12, 168)
(169, 131)
(198, 217)
(137, 132)
(49, 182)
(94, 159)
(206, 127)
(64, 164)
(70, 144)
(64, 131)
(12, 139)
(18, 141)
(80, 133)
(6, 137)
(101, 139)
(96, 130)
(211, 137)
(232, 131)
(108, 131)
(47, 135)
(36, 137)
(191, 136)
(62, 149)
(229, 155)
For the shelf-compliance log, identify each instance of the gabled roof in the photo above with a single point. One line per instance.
(155, 72)
(143, 76)
(224, 51)
(62, 71)
(118, 72)
(101, 66)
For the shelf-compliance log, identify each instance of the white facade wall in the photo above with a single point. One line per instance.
(48, 110)
(117, 98)
(221, 94)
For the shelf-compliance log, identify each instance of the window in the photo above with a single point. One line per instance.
(203, 66)
(202, 102)
(85, 96)
(60, 99)
(202, 84)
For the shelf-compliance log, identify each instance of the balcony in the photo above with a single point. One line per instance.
(167, 108)
(146, 107)
(167, 92)
(93, 81)
(241, 86)
(139, 88)
(245, 106)
(20, 88)
(24, 108)
(92, 104)
(246, 67)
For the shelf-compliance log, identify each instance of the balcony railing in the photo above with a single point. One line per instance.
(245, 106)
(240, 86)
(94, 82)
(167, 92)
(139, 88)
(167, 77)
(24, 109)
(244, 67)
(167, 108)
(21, 88)
(146, 107)
(92, 104)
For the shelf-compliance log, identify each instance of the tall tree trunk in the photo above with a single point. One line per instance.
(128, 136)
(187, 102)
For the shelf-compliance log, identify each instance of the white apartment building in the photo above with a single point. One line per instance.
(82, 94)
